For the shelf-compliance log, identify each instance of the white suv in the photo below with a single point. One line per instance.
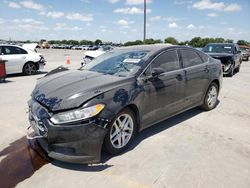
(21, 60)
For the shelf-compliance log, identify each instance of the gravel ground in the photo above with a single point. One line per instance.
(193, 149)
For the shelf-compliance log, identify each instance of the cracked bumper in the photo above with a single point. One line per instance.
(78, 143)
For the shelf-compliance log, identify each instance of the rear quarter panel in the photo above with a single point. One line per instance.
(216, 72)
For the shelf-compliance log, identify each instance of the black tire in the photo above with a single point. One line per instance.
(29, 68)
(231, 73)
(108, 145)
(206, 103)
(238, 68)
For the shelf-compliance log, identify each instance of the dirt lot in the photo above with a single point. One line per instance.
(193, 149)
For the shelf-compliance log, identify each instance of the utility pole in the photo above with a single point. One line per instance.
(145, 14)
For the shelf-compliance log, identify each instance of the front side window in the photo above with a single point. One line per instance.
(12, 50)
(190, 58)
(167, 61)
(203, 56)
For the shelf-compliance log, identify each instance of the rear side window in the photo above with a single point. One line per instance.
(203, 56)
(12, 50)
(190, 58)
(1, 51)
(168, 61)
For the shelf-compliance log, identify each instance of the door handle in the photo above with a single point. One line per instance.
(179, 77)
(206, 70)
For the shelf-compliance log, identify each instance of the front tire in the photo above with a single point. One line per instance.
(231, 73)
(121, 132)
(29, 69)
(211, 97)
(238, 68)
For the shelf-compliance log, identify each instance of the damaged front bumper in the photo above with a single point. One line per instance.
(41, 63)
(74, 143)
(227, 68)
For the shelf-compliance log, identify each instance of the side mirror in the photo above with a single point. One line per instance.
(238, 52)
(156, 72)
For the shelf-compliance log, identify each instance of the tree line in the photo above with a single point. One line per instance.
(76, 42)
(196, 42)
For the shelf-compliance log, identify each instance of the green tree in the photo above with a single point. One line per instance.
(195, 42)
(183, 43)
(98, 42)
(73, 42)
(171, 40)
(219, 40)
(158, 41)
(243, 42)
(229, 41)
(86, 42)
(149, 41)
(132, 43)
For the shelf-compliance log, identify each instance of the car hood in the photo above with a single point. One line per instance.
(223, 57)
(220, 55)
(70, 89)
(94, 54)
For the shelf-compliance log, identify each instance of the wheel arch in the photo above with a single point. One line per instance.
(216, 81)
(135, 110)
(37, 66)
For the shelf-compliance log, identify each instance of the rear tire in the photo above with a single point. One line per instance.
(211, 98)
(121, 132)
(231, 73)
(29, 68)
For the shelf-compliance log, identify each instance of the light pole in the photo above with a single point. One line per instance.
(145, 14)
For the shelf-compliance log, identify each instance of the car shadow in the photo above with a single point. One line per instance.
(22, 75)
(5, 81)
(157, 128)
(151, 131)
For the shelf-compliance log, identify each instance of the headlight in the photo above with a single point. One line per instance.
(76, 115)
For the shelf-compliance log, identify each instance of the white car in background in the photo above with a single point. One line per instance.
(21, 59)
(90, 55)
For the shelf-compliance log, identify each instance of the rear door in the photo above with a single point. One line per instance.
(163, 94)
(197, 76)
(16, 58)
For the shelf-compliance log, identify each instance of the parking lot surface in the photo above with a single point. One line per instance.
(193, 149)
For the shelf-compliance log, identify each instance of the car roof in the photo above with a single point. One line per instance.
(232, 44)
(152, 49)
(149, 47)
(10, 45)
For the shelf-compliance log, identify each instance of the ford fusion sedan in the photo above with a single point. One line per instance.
(77, 113)
(21, 60)
(229, 55)
(90, 54)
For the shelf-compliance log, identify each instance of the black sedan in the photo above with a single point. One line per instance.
(229, 55)
(76, 113)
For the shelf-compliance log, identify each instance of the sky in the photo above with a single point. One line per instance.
(122, 20)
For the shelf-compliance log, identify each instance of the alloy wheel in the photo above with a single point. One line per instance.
(121, 131)
(212, 96)
(30, 69)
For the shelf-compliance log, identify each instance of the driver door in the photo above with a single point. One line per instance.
(164, 93)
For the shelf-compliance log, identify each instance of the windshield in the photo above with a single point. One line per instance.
(218, 48)
(244, 49)
(118, 63)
